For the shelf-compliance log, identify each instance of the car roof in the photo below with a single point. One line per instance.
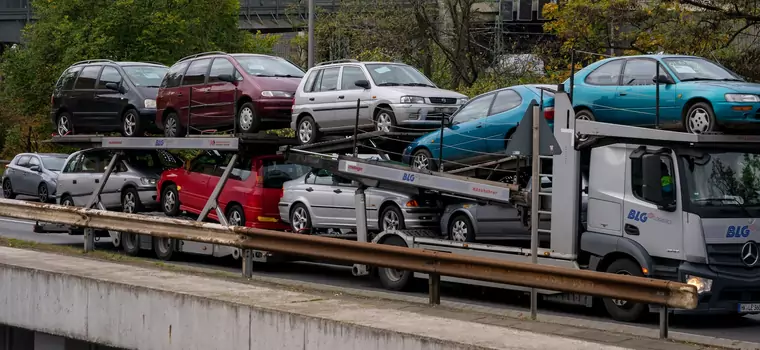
(357, 62)
(56, 155)
(129, 63)
(120, 63)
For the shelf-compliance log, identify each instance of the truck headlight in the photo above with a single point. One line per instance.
(147, 181)
(149, 103)
(704, 285)
(412, 99)
(742, 98)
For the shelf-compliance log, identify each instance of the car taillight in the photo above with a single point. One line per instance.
(549, 113)
(259, 181)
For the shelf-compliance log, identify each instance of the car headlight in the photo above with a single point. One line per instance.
(704, 285)
(742, 98)
(462, 101)
(275, 94)
(149, 103)
(412, 99)
(147, 181)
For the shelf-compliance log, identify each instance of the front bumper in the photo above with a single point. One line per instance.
(727, 291)
(148, 197)
(420, 114)
(421, 217)
(148, 118)
(275, 111)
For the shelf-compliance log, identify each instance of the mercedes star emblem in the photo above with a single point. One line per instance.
(749, 254)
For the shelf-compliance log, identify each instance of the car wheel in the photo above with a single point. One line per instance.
(8, 189)
(700, 119)
(64, 124)
(247, 120)
(584, 114)
(422, 159)
(385, 120)
(43, 194)
(172, 126)
(622, 310)
(235, 215)
(461, 230)
(69, 202)
(391, 218)
(131, 125)
(300, 219)
(130, 201)
(307, 130)
(394, 279)
(170, 200)
(163, 247)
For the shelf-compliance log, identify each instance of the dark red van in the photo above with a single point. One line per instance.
(215, 91)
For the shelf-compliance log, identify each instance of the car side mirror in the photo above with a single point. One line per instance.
(363, 83)
(662, 79)
(116, 87)
(35, 168)
(227, 77)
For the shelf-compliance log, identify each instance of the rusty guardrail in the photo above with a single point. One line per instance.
(638, 289)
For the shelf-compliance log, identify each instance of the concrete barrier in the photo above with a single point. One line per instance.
(138, 308)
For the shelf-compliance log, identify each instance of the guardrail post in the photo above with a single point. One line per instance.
(89, 240)
(247, 263)
(434, 288)
(663, 322)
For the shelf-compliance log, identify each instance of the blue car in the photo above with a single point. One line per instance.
(696, 94)
(481, 127)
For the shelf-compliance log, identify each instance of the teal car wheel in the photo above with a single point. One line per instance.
(700, 119)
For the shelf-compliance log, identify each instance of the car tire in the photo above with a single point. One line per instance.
(235, 215)
(391, 214)
(172, 126)
(67, 200)
(394, 279)
(584, 114)
(385, 120)
(300, 219)
(164, 248)
(700, 119)
(307, 130)
(131, 124)
(461, 229)
(620, 310)
(170, 200)
(64, 124)
(8, 189)
(43, 194)
(247, 120)
(422, 159)
(130, 201)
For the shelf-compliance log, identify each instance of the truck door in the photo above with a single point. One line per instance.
(657, 227)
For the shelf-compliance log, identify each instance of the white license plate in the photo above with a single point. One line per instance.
(749, 307)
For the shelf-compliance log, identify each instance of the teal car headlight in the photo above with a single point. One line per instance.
(742, 98)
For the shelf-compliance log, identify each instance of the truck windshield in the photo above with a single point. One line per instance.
(723, 180)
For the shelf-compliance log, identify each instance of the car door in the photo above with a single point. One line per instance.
(82, 181)
(324, 98)
(343, 201)
(636, 96)
(318, 190)
(349, 94)
(498, 220)
(503, 115)
(21, 180)
(34, 175)
(65, 182)
(198, 108)
(109, 103)
(85, 111)
(599, 90)
(464, 140)
(221, 94)
(194, 192)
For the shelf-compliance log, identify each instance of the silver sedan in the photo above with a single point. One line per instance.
(320, 200)
(33, 174)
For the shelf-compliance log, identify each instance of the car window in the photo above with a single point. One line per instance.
(174, 76)
(23, 161)
(241, 170)
(34, 161)
(309, 85)
(640, 72)
(151, 160)
(275, 172)
(320, 177)
(606, 74)
(53, 163)
(477, 108)
(94, 162)
(268, 66)
(394, 74)
(697, 68)
(73, 165)
(505, 100)
(108, 75)
(350, 76)
(206, 163)
(220, 66)
(146, 76)
(87, 78)
(329, 79)
(66, 82)
(196, 72)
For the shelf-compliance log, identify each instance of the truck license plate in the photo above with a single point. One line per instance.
(749, 307)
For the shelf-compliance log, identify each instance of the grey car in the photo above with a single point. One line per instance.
(131, 187)
(33, 174)
(392, 96)
(321, 200)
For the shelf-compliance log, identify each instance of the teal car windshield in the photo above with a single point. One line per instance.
(723, 180)
(695, 68)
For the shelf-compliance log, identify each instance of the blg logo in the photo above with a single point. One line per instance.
(408, 177)
(738, 231)
(639, 216)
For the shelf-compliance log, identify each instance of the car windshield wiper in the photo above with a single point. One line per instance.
(151, 86)
(418, 84)
(287, 76)
(388, 84)
(711, 79)
(264, 75)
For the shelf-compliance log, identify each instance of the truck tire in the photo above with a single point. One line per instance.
(621, 310)
(393, 279)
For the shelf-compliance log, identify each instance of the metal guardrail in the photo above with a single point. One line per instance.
(598, 284)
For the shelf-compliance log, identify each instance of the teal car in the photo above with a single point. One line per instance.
(480, 128)
(696, 94)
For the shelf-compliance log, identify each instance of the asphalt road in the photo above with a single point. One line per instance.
(744, 329)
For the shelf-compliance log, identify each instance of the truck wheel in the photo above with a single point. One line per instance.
(393, 279)
(622, 310)
(164, 248)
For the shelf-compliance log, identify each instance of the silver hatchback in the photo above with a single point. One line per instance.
(321, 200)
(392, 96)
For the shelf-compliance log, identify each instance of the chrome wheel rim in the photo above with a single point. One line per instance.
(246, 118)
(459, 231)
(699, 121)
(421, 161)
(128, 204)
(391, 220)
(170, 129)
(583, 117)
(67, 202)
(300, 219)
(235, 219)
(130, 124)
(384, 122)
(64, 125)
(304, 131)
(170, 200)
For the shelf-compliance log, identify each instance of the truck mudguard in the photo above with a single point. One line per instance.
(601, 245)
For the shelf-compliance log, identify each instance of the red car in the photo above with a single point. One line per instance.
(259, 87)
(249, 198)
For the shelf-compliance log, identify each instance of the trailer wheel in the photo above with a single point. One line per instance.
(393, 279)
(130, 242)
(622, 310)
(164, 248)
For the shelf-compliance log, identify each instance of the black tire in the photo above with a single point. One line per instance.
(235, 215)
(173, 127)
(130, 201)
(247, 120)
(131, 124)
(43, 194)
(67, 200)
(700, 119)
(307, 130)
(394, 279)
(64, 124)
(625, 311)
(584, 114)
(8, 189)
(304, 218)
(164, 248)
(170, 209)
(130, 243)
(461, 225)
(391, 213)
(385, 120)
(422, 159)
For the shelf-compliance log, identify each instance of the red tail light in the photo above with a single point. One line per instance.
(52, 97)
(549, 113)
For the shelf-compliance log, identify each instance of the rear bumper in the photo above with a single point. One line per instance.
(725, 295)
